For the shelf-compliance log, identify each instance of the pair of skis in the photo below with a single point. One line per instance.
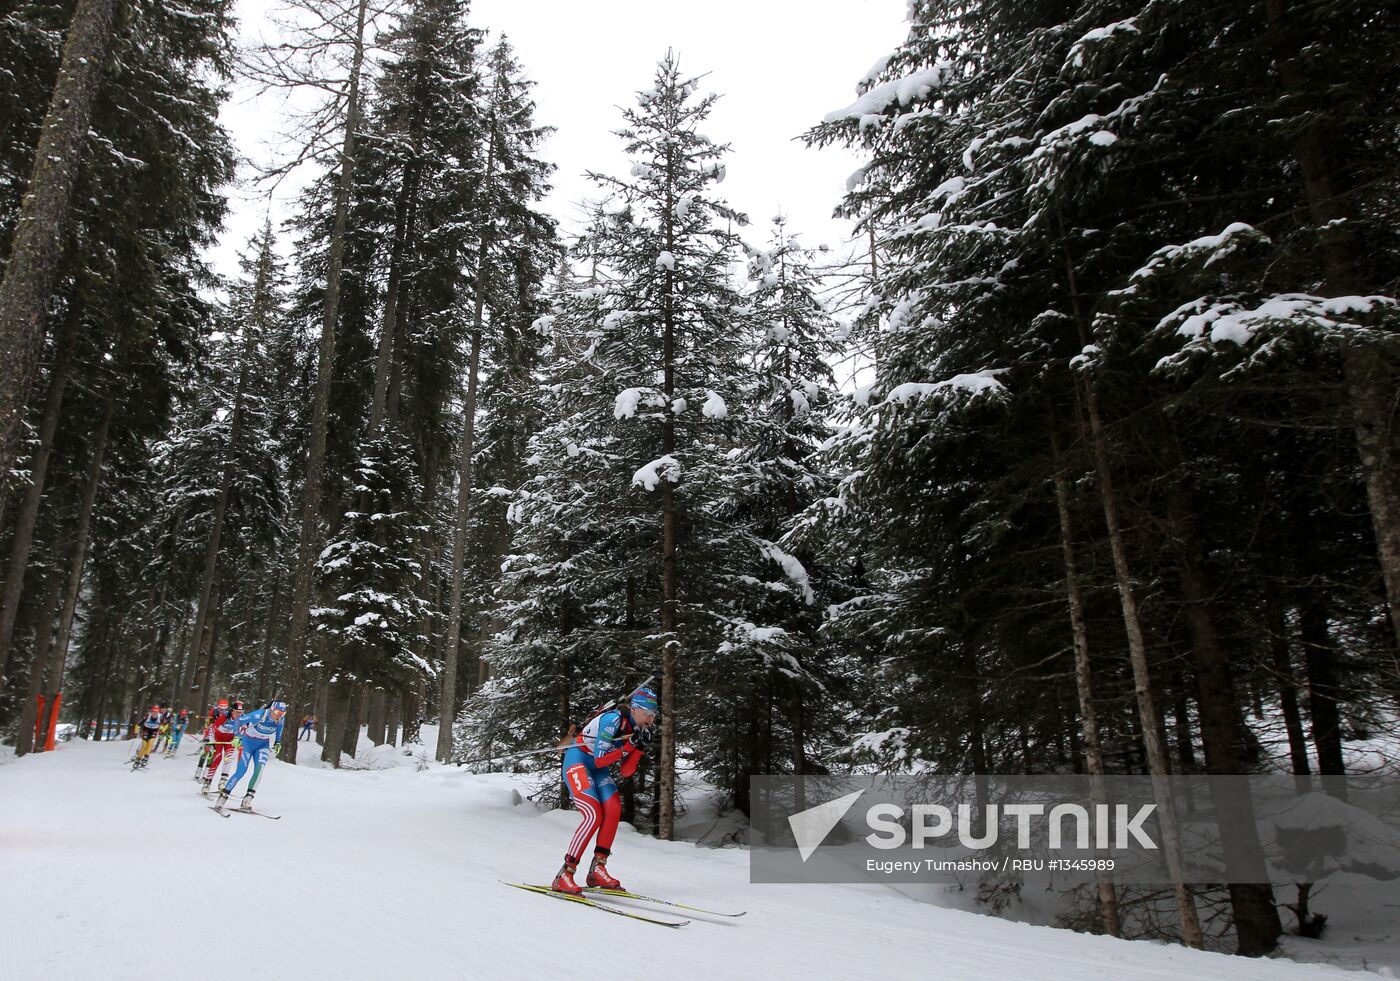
(226, 811)
(592, 891)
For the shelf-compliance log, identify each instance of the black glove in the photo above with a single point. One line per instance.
(640, 738)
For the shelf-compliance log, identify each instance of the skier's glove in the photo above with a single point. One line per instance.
(641, 738)
(276, 749)
(629, 765)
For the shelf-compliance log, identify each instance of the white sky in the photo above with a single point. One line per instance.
(779, 66)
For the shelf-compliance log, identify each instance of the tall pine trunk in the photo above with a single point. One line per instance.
(1256, 920)
(666, 780)
(309, 543)
(24, 737)
(1320, 660)
(1369, 381)
(1287, 683)
(447, 696)
(28, 514)
(235, 436)
(33, 263)
(1157, 765)
(1083, 682)
(80, 543)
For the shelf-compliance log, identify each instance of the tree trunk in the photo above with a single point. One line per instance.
(1287, 689)
(411, 728)
(32, 267)
(202, 648)
(392, 707)
(206, 677)
(321, 702)
(666, 758)
(235, 436)
(377, 705)
(24, 738)
(1320, 662)
(403, 204)
(1181, 720)
(1257, 925)
(354, 718)
(1083, 682)
(1369, 380)
(309, 544)
(337, 715)
(28, 515)
(447, 697)
(1157, 765)
(80, 543)
(266, 688)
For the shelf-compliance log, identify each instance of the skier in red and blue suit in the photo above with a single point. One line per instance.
(258, 733)
(222, 729)
(616, 736)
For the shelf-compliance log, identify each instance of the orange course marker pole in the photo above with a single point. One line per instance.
(53, 722)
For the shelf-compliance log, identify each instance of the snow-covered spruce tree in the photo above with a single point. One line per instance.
(370, 575)
(128, 286)
(411, 232)
(763, 691)
(1052, 180)
(632, 465)
(514, 250)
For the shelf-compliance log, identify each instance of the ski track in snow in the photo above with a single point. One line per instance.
(392, 873)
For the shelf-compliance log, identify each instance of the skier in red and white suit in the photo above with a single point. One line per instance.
(615, 736)
(223, 727)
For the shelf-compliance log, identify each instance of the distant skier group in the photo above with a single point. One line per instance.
(617, 734)
(159, 731)
(232, 739)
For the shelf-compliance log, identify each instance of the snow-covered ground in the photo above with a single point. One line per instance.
(391, 871)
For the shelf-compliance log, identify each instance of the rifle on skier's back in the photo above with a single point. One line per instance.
(568, 739)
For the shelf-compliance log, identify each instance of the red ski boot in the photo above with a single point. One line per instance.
(564, 882)
(598, 875)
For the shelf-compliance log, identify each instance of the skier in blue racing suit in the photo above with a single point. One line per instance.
(260, 733)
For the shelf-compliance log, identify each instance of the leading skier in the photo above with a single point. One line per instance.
(616, 736)
(258, 733)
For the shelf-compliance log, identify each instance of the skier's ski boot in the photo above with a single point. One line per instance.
(564, 882)
(598, 874)
(247, 804)
(223, 799)
(205, 787)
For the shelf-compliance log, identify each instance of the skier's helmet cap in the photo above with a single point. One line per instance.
(235, 704)
(644, 699)
(223, 703)
(278, 707)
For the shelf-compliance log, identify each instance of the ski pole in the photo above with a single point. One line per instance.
(514, 756)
